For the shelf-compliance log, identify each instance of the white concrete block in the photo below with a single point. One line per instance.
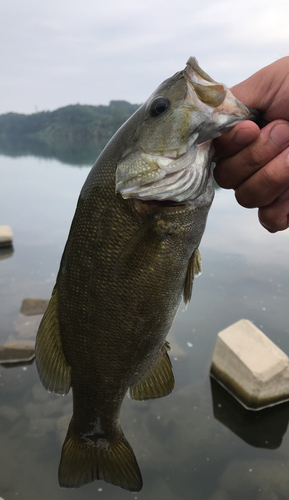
(26, 327)
(17, 352)
(6, 236)
(32, 307)
(251, 366)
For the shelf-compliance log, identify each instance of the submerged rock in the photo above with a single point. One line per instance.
(26, 328)
(17, 352)
(248, 364)
(32, 307)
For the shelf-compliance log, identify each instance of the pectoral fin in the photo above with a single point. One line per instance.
(158, 382)
(53, 369)
(194, 269)
(145, 244)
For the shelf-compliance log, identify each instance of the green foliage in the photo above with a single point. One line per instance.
(74, 134)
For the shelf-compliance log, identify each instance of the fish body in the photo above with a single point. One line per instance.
(131, 254)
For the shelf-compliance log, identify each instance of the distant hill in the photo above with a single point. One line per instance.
(74, 134)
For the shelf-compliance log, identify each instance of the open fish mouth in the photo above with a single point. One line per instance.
(180, 172)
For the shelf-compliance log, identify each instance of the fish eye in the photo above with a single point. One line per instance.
(159, 106)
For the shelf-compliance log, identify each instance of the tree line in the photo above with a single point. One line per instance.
(74, 134)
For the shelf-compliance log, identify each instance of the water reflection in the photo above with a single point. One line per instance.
(188, 447)
(16, 363)
(262, 429)
(6, 252)
(71, 151)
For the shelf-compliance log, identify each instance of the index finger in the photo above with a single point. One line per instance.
(236, 139)
(232, 171)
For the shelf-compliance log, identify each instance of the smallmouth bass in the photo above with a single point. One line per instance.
(131, 254)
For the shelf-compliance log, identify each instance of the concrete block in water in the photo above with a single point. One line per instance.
(6, 236)
(32, 307)
(26, 327)
(17, 352)
(251, 366)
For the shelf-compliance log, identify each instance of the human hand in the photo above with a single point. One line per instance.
(254, 162)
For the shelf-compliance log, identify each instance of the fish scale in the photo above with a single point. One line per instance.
(125, 267)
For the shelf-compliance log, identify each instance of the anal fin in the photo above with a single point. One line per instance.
(52, 366)
(158, 382)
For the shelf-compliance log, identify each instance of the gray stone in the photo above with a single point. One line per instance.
(6, 236)
(16, 352)
(251, 366)
(32, 307)
(25, 327)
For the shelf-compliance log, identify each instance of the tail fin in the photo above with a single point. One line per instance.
(83, 461)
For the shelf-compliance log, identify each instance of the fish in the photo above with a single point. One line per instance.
(131, 256)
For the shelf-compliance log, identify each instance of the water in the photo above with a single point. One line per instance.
(197, 443)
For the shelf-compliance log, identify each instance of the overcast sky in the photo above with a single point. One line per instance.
(59, 52)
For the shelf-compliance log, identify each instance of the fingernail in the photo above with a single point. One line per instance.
(280, 134)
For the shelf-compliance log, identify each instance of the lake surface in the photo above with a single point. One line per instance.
(198, 443)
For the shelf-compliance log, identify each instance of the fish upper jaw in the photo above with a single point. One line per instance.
(231, 112)
(219, 109)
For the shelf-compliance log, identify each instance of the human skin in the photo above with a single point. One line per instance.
(253, 161)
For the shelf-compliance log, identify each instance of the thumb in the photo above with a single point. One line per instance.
(267, 90)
